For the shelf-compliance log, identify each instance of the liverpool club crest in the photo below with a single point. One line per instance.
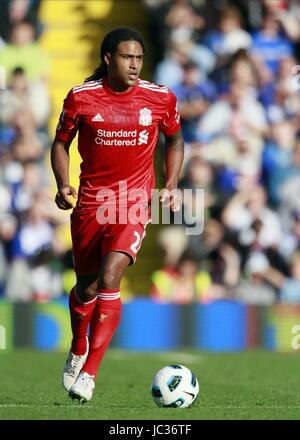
(145, 116)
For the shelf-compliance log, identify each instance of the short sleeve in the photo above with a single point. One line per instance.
(68, 121)
(170, 122)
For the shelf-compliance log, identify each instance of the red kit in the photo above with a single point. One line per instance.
(117, 135)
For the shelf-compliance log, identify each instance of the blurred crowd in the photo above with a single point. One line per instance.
(31, 256)
(233, 66)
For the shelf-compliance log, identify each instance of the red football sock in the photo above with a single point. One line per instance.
(81, 314)
(104, 322)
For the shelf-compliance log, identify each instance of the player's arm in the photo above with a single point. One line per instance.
(170, 195)
(60, 165)
(170, 126)
(66, 130)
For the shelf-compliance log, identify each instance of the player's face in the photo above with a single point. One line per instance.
(125, 65)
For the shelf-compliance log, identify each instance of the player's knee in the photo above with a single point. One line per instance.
(86, 293)
(110, 278)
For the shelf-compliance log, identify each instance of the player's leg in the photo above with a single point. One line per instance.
(82, 302)
(107, 313)
(86, 239)
(105, 320)
(120, 251)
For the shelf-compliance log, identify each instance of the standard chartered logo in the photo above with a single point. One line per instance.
(121, 138)
(143, 137)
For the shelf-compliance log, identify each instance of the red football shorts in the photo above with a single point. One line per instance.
(92, 241)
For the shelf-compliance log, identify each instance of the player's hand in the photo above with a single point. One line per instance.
(171, 198)
(62, 198)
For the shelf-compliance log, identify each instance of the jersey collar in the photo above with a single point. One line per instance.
(117, 94)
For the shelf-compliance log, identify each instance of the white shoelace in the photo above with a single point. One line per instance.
(73, 362)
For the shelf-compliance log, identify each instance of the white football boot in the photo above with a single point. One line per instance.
(83, 387)
(72, 368)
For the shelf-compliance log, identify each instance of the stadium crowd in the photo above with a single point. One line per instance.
(31, 256)
(234, 69)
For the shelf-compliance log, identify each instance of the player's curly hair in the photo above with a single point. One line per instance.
(110, 44)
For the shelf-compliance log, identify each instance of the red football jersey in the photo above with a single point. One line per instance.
(117, 135)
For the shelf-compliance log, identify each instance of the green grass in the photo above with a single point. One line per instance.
(248, 385)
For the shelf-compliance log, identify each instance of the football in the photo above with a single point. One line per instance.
(174, 386)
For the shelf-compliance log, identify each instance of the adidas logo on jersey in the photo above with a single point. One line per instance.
(97, 118)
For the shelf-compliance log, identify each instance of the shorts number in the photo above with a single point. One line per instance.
(136, 245)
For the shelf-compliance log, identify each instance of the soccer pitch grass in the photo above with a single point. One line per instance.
(247, 385)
